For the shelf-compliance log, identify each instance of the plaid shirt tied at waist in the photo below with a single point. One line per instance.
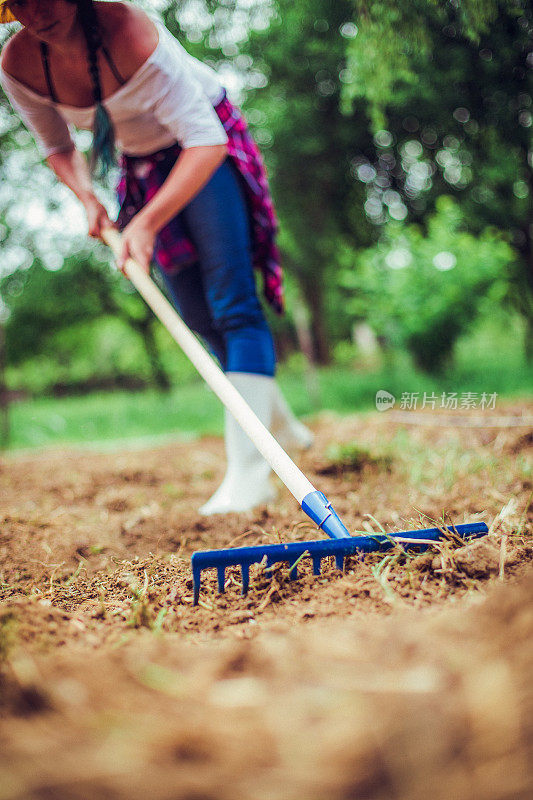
(142, 176)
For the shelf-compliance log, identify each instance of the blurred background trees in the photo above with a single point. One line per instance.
(398, 143)
(451, 110)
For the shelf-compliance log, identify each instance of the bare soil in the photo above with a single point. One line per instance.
(404, 676)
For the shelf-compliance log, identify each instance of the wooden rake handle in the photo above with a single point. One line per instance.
(292, 477)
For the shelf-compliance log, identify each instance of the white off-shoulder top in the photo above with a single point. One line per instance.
(169, 99)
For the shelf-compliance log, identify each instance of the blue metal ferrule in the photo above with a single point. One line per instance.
(317, 506)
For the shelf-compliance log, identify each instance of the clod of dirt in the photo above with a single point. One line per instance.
(240, 616)
(523, 442)
(479, 559)
(422, 562)
(24, 701)
(21, 689)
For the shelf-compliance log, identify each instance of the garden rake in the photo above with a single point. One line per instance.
(315, 504)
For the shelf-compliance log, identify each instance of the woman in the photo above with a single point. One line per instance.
(193, 191)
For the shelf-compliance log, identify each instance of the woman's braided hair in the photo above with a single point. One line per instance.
(103, 148)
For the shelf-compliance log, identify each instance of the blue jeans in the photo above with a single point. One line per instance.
(216, 296)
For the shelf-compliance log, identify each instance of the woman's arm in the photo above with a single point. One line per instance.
(72, 170)
(189, 174)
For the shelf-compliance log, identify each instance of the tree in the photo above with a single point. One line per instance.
(421, 288)
(4, 398)
(299, 64)
(42, 303)
(450, 97)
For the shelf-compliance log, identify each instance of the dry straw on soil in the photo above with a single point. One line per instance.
(408, 676)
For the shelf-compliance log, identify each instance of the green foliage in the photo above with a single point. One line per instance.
(42, 302)
(80, 324)
(380, 53)
(350, 456)
(423, 290)
(101, 352)
(391, 40)
(448, 87)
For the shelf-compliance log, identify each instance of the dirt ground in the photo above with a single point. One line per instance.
(404, 676)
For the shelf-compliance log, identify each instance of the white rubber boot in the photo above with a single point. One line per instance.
(247, 480)
(287, 429)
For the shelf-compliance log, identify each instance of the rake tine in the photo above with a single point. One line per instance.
(293, 552)
(196, 578)
(221, 575)
(245, 570)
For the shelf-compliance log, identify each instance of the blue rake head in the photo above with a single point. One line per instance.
(293, 552)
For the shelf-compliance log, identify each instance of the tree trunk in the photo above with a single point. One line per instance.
(305, 340)
(526, 251)
(303, 330)
(144, 327)
(529, 340)
(314, 299)
(4, 397)
(159, 375)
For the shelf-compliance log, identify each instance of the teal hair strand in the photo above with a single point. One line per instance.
(103, 150)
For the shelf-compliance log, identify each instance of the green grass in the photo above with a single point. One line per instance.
(110, 417)
(192, 409)
(488, 359)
